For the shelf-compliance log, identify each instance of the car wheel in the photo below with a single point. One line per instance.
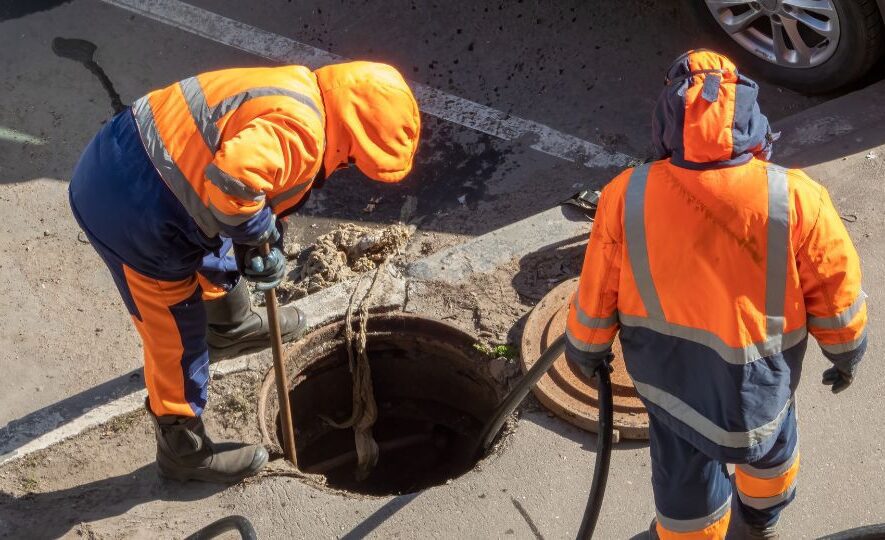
(813, 46)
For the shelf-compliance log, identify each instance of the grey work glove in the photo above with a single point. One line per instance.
(267, 271)
(838, 379)
(590, 367)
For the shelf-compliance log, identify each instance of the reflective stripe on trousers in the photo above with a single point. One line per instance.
(775, 342)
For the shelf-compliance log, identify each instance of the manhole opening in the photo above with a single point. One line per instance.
(433, 390)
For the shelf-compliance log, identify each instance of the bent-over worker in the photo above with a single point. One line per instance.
(208, 165)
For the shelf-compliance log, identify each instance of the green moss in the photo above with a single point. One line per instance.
(497, 351)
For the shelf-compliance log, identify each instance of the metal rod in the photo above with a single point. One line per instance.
(276, 344)
(515, 397)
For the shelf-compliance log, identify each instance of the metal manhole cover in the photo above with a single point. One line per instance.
(564, 389)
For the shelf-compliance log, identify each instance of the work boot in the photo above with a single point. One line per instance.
(185, 452)
(754, 533)
(235, 328)
(653, 529)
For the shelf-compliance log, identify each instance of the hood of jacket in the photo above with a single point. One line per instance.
(372, 119)
(707, 117)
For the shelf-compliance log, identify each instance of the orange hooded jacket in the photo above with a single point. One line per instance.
(234, 145)
(714, 265)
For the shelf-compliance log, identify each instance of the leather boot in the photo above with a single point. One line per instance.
(235, 328)
(653, 529)
(185, 452)
(767, 533)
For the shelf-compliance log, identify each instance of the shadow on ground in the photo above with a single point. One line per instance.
(53, 514)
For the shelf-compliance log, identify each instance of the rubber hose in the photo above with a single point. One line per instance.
(223, 525)
(603, 453)
(519, 392)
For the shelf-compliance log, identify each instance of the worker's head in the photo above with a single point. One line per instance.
(707, 116)
(372, 120)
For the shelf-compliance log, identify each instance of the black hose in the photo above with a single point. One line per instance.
(519, 392)
(603, 440)
(603, 453)
(223, 525)
(869, 532)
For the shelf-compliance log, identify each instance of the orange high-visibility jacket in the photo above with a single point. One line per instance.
(236, 143)
(714, 265)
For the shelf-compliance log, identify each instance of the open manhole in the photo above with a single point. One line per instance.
(433, 389)
(565, 390)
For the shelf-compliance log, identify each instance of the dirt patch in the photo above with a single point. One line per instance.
(341, 254)
(109, 470)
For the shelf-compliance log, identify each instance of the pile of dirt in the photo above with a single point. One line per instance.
(341, 254)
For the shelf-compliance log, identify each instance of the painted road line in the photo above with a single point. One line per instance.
(9, 451)
(464, 112)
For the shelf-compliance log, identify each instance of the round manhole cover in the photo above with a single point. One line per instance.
(564, 389)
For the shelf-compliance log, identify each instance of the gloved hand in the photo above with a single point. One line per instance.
(590, 367)
(268, 270)
(839, 379)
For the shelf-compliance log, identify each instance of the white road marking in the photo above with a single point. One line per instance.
(9, 134)
(319, 308)
(434, 102)
(98, 416)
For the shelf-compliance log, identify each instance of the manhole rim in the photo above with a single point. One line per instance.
(267, 406)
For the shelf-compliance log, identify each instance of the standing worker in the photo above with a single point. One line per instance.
(715, 264)
(208, 165)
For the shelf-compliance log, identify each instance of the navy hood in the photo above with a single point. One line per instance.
(707, 117)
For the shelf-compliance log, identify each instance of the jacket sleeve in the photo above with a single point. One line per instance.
(829, 271)
(593, 312)
(265, 156)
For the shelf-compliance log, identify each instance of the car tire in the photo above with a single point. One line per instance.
(860, 47)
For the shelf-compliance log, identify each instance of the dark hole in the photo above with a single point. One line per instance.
(432, 400)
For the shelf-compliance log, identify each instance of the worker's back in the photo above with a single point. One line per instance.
(710, 293)
(715, 265)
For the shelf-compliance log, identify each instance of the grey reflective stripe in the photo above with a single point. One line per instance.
(291, 192)
(843, 319)
(777, 250)
(771, 472)
(169, 171)
(588, 347)
(694, 525)
(637, 246)
(232, 221)
(196, 103)
(231, 185)
(593, 322)
(686, 414)
(732, 355)
(230, 103)
(840, 348)
(762, 503)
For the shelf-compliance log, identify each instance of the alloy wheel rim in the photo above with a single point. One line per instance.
(788, 33)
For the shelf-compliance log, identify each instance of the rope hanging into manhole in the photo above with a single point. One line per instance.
(365, 411)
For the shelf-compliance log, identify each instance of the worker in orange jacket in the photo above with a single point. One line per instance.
(714, 265)
(209, 166)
